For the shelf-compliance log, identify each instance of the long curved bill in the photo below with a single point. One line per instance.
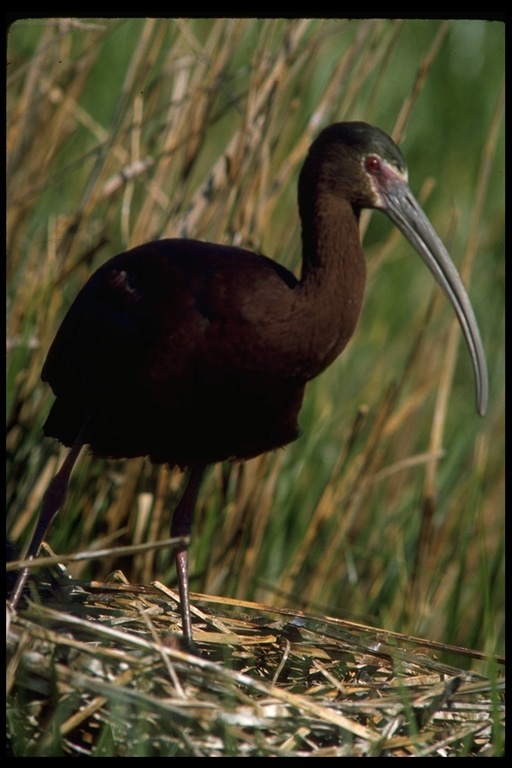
(403, 209)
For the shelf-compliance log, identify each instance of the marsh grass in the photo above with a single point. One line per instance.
(389, 509)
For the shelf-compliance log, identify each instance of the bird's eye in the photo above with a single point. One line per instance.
(372, 164)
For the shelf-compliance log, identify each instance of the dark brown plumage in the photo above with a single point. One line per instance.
(193, 353)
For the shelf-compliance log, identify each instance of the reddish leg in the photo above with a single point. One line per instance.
(52, 501)
(181, 526)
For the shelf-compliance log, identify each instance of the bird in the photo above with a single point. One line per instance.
(192, 353)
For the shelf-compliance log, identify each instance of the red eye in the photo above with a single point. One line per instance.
(372, 164)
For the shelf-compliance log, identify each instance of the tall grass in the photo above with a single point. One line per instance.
(390, 506)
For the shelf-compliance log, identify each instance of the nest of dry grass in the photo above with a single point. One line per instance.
(96, 669)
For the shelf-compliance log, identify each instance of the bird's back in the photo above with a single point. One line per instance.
(162, 351)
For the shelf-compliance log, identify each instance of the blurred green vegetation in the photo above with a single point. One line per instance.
(114, 126)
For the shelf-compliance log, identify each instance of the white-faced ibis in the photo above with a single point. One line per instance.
(192, 353)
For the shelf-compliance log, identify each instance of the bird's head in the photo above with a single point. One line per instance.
(357, 162)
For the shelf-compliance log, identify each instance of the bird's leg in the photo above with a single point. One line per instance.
(181, 526)
(52, 501)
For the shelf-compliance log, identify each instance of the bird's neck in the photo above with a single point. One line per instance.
(333, 275)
